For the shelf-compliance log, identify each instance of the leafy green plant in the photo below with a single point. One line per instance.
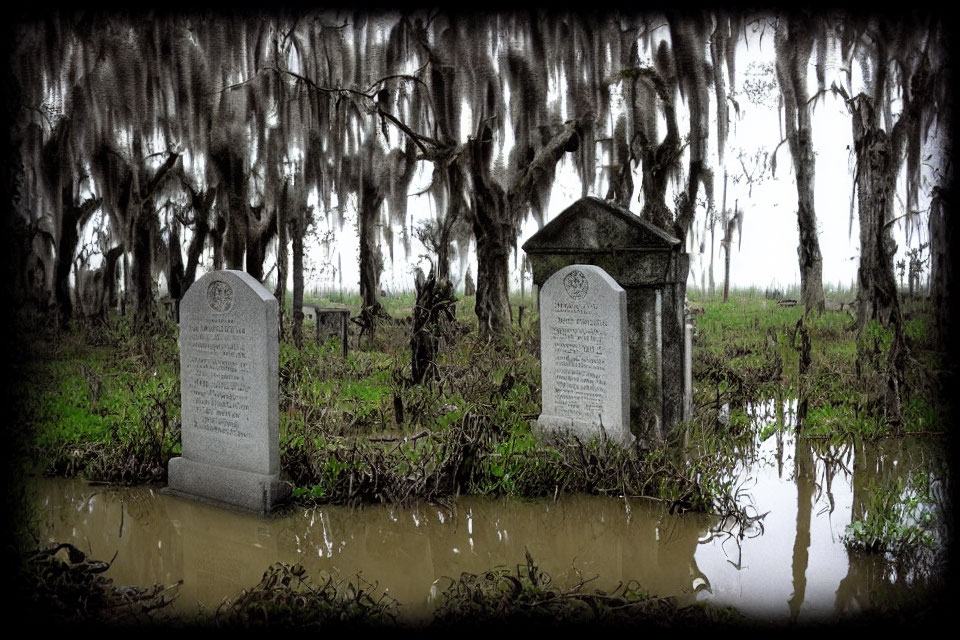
(897, 518)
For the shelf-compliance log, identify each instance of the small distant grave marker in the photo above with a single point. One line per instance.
(229, 384)
(584, 354)
(330, 321)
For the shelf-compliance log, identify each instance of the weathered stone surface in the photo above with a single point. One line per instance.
(229, 385)
(330, 322)
(584, 354)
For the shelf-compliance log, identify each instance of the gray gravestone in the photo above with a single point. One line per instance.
(229, 384)
(652, 267)
(584, 354)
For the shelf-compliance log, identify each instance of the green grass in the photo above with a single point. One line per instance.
(358, 429)
(746, 349)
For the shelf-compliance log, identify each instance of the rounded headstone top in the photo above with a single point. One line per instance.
(220, 291)
(575, 280)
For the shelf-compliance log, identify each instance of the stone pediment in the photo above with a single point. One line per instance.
(593, 224)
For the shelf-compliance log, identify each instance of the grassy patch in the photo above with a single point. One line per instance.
(746, 350)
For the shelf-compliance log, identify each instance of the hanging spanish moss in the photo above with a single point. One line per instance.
(256, 128)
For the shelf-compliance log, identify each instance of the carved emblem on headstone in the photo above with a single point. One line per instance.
(576, 284)
(220, 296)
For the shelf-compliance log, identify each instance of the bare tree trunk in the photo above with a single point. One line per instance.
(455, 209)
(712, 253)
(496, 213)
(620, 188)
(201, 203)
(875, 178)
(217, 238)
(727, 241)
(793, 47)
(72, 221)
(298, 226)
(200, 231)
(175, 271)
(280, 293)
(876, 282)
(260, 231)
(494, 234)
(943, 237)
(658, 160)
(723, 216)
(371, 262)
(233, 203)
(111, 277)
(142, 267)
(492, 295)
(234, 241)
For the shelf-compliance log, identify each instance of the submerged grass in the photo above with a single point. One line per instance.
(287, 598)
(59, 585)
(64, 587)
(900, 516)
(526, 595)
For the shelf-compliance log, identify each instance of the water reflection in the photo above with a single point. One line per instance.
(798, 569)
(812, 490)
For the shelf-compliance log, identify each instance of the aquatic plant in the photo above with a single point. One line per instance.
(525, 594)
(898, 518)
(287, 598)
(61, 585)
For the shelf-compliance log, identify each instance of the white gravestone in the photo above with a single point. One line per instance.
(584, 354)
(228, 385)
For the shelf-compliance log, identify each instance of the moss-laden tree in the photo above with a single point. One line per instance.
(795, 38)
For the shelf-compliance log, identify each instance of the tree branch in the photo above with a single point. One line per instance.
(417, 138)
(403, 76)
(547, 158)
(160, 175)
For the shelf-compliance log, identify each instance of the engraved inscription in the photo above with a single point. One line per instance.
(220, 296)
(217, 375)
(577, 336)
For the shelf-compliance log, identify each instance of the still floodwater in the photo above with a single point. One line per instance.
(796, 568)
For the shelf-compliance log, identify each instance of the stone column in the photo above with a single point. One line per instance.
(646, 392)
(674, 350)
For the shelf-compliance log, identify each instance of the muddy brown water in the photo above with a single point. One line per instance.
(795, 566)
